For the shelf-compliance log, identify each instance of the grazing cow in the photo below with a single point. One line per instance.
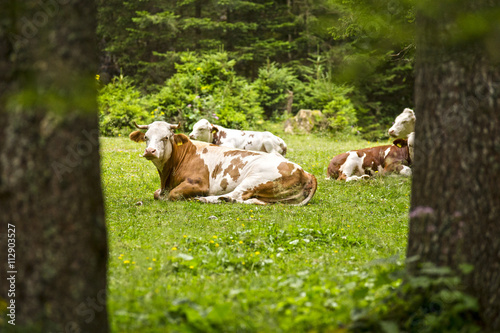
(404, 124)
(203, 130)
(362, 163)
(209, 173)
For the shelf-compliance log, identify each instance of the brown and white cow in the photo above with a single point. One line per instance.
(203, 130)
(404, 127)
(362, 163)
(210, 173)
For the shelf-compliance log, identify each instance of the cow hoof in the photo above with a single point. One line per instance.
(157, 194)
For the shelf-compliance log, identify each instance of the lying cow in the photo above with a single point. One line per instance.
(362, 163)
(403, 125)
(203, 130)
(209, 173)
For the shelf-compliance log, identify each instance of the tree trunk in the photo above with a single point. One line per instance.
(51, 203)
(455, 206)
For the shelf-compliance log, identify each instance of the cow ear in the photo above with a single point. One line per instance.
(137, 136)
(214, 130)
(180, 139)
(400, 143)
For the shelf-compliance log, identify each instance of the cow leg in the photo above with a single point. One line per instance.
(187, 189)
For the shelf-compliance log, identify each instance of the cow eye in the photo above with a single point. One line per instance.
(146, 138)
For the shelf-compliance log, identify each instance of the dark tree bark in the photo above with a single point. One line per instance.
(455, 206)
(51, 201)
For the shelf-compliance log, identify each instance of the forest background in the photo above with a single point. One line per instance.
(240, 63)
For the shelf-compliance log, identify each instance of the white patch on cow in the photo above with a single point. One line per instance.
(411, 145)
(406, 171)
(404, 124)
(353, 165)
(387, 151)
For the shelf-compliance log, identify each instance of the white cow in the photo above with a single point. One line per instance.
(203, 130)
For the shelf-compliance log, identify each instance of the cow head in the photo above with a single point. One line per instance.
(404, 124)
(203, 131)
(159, 138)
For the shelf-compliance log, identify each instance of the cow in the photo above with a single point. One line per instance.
(203, 130)
(211, 174)
(403, 125)
(363, 163)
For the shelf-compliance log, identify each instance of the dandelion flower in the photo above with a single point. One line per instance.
(184, 236)
(241, 242)
(174, 249)
(191, 267)
(211, 242)
(150, 268)
(257, 253)
(217, 245)
(154, 259)
(126, 262)
(215, 236)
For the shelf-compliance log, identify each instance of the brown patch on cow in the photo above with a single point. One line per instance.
(251, 136)
(242, 153)
(283, 148)
(223, 184)
(242, 133)
(217, 170)
(234, 167)
(205, 150)
(293, 187)
(218, 137)
(335, 164)
(137, 136)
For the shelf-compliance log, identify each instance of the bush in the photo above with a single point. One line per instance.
(120, 103)
(206, 86)
(273, 86)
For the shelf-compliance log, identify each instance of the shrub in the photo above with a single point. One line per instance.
(273, 86)
(120, 103)
(206, 86)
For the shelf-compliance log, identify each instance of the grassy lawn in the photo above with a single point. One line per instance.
(193, 267)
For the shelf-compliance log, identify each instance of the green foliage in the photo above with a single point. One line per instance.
(429, 302)
(208, 87)
(340, 113)
(273, 86)
(120, 103)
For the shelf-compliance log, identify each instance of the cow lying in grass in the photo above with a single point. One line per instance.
(404, 127)
(203, 130)
(209, 173)
(363, 163)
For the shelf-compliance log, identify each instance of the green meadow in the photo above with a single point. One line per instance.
(194, 267)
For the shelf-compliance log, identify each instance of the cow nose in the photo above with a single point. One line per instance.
(191, 136)
(391, 132)
(149, 152)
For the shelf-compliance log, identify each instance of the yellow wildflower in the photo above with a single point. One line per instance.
(126, 262)
(211, 242)
(154, 259)
(217, 245)
(257, 253)
(215, 236)
(191, 267)
(174, 249)
(150, 268)
(241, 242)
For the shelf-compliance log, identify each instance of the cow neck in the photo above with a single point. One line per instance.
(174, 163)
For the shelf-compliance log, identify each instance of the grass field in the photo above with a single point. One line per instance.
(193, 267)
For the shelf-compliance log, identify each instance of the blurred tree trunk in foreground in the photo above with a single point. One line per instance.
(455, 208)
(51, 199)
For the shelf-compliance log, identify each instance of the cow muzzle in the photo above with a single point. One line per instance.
(150, 153)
